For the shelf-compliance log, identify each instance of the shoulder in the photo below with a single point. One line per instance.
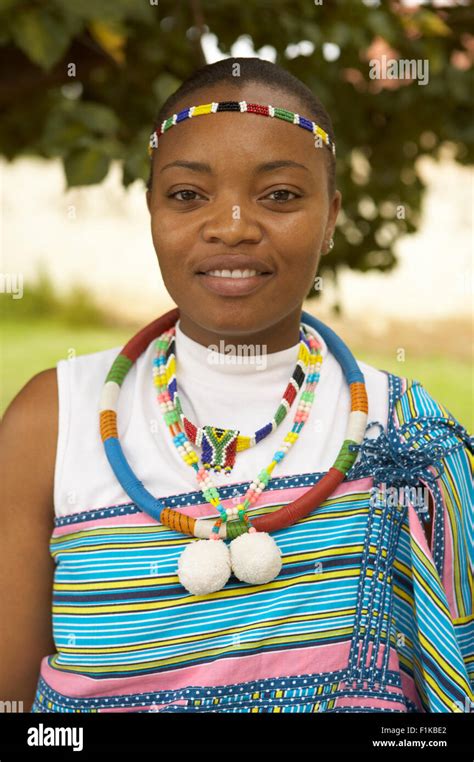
(415, 403)
(28, 434)
(36, 400)
(424, 432)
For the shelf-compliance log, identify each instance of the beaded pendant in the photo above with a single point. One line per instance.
(219, 445)
(219, 448)
(235, 518)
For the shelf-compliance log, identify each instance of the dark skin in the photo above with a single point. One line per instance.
(286, 217)
(292, 236)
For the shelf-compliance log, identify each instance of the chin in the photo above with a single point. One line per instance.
(231, 319)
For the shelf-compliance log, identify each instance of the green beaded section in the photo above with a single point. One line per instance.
(119, 369)
(264, 477)
(346, 457)
(171, 416)
(168, 124)
(177, 404)
(307, 396)
(280, 414)
(282, 113)
(235, 529)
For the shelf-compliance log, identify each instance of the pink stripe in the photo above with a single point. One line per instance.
(329, 658)
(447, 581)
(448, 573)
(202, 510)
(418, 533)
(359, 702)
(410, 691)
(301, 661)
(133, 519)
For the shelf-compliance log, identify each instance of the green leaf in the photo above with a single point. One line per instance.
(164, 85)
(85, 166)
(5, 5)
(59, 136)
(96, 117)
(41, 36)
(109, 10)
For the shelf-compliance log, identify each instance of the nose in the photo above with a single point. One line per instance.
(231, 222)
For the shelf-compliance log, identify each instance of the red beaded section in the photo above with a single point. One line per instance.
(290, 514)
(255, 108)
(137, 345)
(290, 394)
(190, 430)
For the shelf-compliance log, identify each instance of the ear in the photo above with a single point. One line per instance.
(332, 217)
(334, 210)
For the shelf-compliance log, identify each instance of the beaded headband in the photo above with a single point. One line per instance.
(242, 106)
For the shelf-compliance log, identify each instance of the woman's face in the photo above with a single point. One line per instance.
(271, 219)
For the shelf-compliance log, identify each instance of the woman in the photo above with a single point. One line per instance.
(333, 595)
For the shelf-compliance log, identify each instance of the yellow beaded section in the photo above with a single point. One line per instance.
(206, 108)
(244, 442)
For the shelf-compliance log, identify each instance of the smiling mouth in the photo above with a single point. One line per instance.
(233, 273)
(233, 282)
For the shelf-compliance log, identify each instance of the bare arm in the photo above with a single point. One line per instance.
(28, 435)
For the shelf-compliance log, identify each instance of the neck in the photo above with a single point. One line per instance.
(283, 334)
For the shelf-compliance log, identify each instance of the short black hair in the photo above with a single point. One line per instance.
(258, 71)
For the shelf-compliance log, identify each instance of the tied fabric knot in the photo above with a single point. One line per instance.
(399, 461)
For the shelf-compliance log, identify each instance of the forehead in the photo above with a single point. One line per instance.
(232, 138)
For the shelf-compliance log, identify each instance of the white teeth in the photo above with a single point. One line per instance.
(232, 273)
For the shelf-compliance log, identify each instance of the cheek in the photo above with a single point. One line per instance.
(299, 239)
(299, 258)
(165, 233)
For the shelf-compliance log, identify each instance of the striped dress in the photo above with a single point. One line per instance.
(371, 612)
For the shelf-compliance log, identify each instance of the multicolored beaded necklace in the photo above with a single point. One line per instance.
(253, 557)
(220, 446)
(164, 371)
(321, 136)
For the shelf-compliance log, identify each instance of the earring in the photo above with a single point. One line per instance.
(331, 244)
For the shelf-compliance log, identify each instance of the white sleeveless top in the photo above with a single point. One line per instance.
(235, 395)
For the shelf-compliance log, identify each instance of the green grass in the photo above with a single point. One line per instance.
(449, 381)
(31, 346)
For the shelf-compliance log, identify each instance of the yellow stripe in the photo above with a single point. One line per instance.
(445, 665)
(283, 639)
(262, 510)
(104, 531)
(452, 513)
(224, 632)
(220, 594)
(121, 546)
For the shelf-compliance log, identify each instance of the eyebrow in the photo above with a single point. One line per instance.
(269, 166)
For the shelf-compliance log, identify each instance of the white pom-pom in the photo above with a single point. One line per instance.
(255, 558)
(204, 566)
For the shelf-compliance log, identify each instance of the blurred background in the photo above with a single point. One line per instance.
(80, 86)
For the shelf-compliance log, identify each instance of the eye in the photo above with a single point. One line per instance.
(185, 190)
(284, 190)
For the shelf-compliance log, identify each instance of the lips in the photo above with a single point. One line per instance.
(233, 286)
(224, 286)
(233, 262)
